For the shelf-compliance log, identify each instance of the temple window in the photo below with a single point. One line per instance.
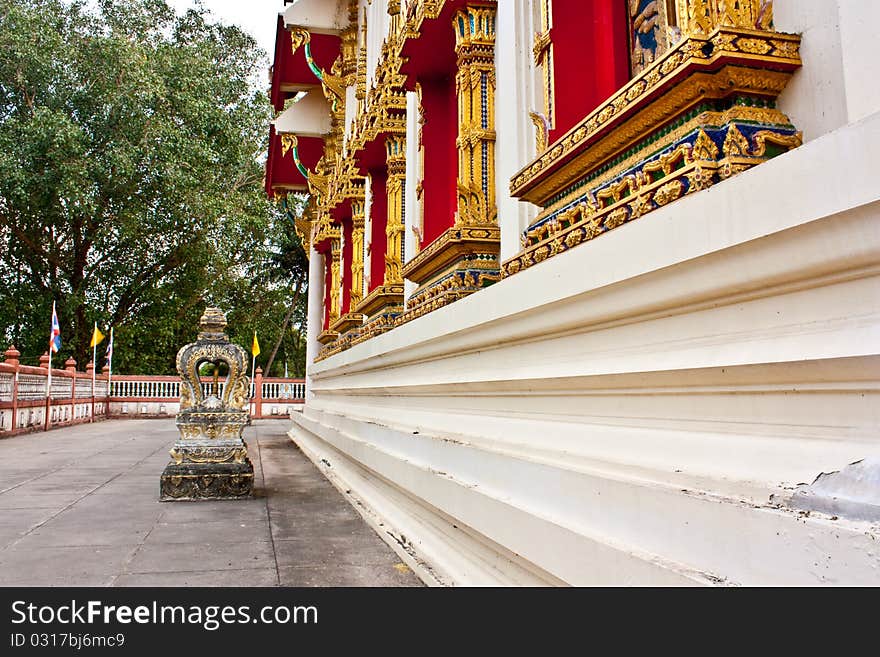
(378, 224)
(583, 53)
(696, 106)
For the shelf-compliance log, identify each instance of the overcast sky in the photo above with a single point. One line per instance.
(257, 17)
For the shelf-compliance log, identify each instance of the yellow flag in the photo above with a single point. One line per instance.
(255, 349)
(97, 336)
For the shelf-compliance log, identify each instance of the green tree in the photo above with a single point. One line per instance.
(130, 177)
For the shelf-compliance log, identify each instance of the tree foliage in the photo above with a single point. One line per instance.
(130, 180)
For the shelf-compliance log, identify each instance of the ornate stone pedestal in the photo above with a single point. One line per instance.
(210, 458)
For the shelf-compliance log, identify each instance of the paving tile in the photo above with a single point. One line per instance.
(25, 565)
(310, 551)
(206, 511)
(75, 533)
(253, 577)
(219, 531)
(15, 523)
(164, 557)
(293, 526)
(346, 575)
(22, 499)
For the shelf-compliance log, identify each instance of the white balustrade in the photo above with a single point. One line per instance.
(283, 390)
(31, 387)
(72, 393)
(6, 382)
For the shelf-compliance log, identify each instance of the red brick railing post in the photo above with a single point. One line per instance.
(11, 356)
(70, 366)
(44, 364)
(258, 393)
(90, 368)
(104, 372)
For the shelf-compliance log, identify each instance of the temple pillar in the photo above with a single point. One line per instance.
(335, 279)
(345, 270)
(384, 302)
(378, 221)
(464, 257)
(395, 146)
(357, 251)
(315, 314)
(413, 217)
(328, 241)
(327, 285)
(350, 322)
(475, 87)
(517, 83)
(368, 240)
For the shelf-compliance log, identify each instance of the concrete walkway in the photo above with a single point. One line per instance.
(79, 507)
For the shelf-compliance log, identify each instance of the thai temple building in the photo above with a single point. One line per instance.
(594, 291)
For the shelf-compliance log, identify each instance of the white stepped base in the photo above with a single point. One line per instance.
(571, 526)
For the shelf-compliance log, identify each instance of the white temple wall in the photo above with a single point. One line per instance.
(836, 84)
(638, 409)
(630, 410)
(858, 34)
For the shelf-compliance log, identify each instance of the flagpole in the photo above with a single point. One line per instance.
(110, 371)
(49, 376)
(94, 367)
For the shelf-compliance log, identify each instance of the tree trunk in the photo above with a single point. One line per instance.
(284, 324)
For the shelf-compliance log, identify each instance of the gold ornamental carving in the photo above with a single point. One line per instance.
(395, 146)
(209, 459)
(636, 114)
(358, 212)
(335, 278)
(474, 28)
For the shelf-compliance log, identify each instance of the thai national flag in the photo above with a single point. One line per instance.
(109, 353)
(55, 335)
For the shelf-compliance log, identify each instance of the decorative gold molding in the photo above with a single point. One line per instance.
(328, 337)
(642, 153)
(635, 101)
(462, 281)
(298, 38)
(381, 297)
(542, 131)
(347, 322)
(454, 244)
(685, 170)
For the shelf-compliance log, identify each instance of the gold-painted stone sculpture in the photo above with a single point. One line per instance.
(209, 459)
